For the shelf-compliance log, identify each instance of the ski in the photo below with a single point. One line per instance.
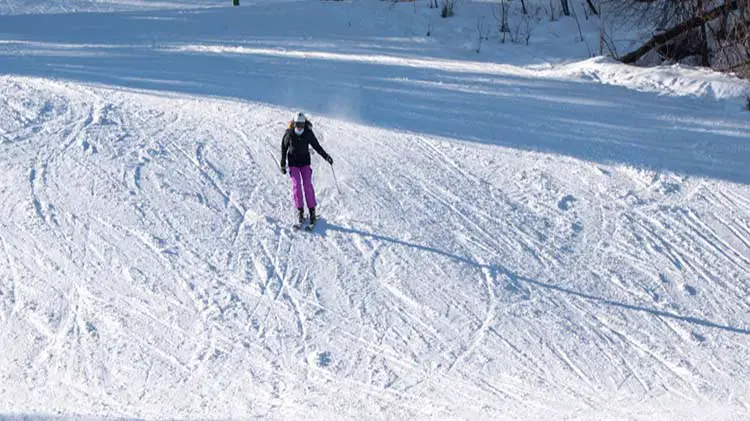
(305, 225)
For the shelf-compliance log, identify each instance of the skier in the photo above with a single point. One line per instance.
(295, 151)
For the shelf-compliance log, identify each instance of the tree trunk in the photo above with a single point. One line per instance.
(680, 29)
(592, 7)
(704, 36)
(565, 7)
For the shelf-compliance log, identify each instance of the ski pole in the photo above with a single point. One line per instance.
(334, 179)
(274, 160)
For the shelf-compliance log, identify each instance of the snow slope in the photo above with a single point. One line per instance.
(508, 235)
(24, 7)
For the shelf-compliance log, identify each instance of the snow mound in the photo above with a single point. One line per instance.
(676, 80)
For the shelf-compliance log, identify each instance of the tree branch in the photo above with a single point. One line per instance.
(683, 27)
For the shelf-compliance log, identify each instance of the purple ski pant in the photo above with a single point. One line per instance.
(302, 178)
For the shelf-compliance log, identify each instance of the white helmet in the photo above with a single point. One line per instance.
(299, 124)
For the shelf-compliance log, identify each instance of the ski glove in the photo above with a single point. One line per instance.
(329, 159)
(283, 170)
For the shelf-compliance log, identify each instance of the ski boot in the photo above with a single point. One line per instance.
(313, 218)
(300, 218)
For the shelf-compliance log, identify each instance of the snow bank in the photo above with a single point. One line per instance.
(677, 80)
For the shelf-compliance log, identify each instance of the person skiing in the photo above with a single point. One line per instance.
(295, 152)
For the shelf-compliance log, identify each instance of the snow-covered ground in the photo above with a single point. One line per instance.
(515, 233)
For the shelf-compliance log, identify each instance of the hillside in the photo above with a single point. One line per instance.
(519, 233)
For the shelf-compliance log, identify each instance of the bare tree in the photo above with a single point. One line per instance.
(696, 21)
(552, 17)
(605, 39)
(565, 7)
(580, 32)
(705, 61)
(482, 32)
(527, 28)
(447, 10)
(592, 8)
(731, 37)
(523, 31)
(501, 12)
(715, 32)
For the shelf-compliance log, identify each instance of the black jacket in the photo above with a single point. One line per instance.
(295, 149)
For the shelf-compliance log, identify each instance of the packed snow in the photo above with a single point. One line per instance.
(507, 231)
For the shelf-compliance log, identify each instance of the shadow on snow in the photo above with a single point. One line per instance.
(515, 279)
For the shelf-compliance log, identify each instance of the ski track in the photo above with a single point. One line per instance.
(148, 235)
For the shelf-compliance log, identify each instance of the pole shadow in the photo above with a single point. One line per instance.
(515, 278)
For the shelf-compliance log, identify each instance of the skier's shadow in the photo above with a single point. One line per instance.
(516, 279)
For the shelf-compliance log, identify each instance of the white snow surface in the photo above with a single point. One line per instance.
(522, 232)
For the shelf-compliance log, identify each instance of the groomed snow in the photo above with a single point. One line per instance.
(519, 233)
